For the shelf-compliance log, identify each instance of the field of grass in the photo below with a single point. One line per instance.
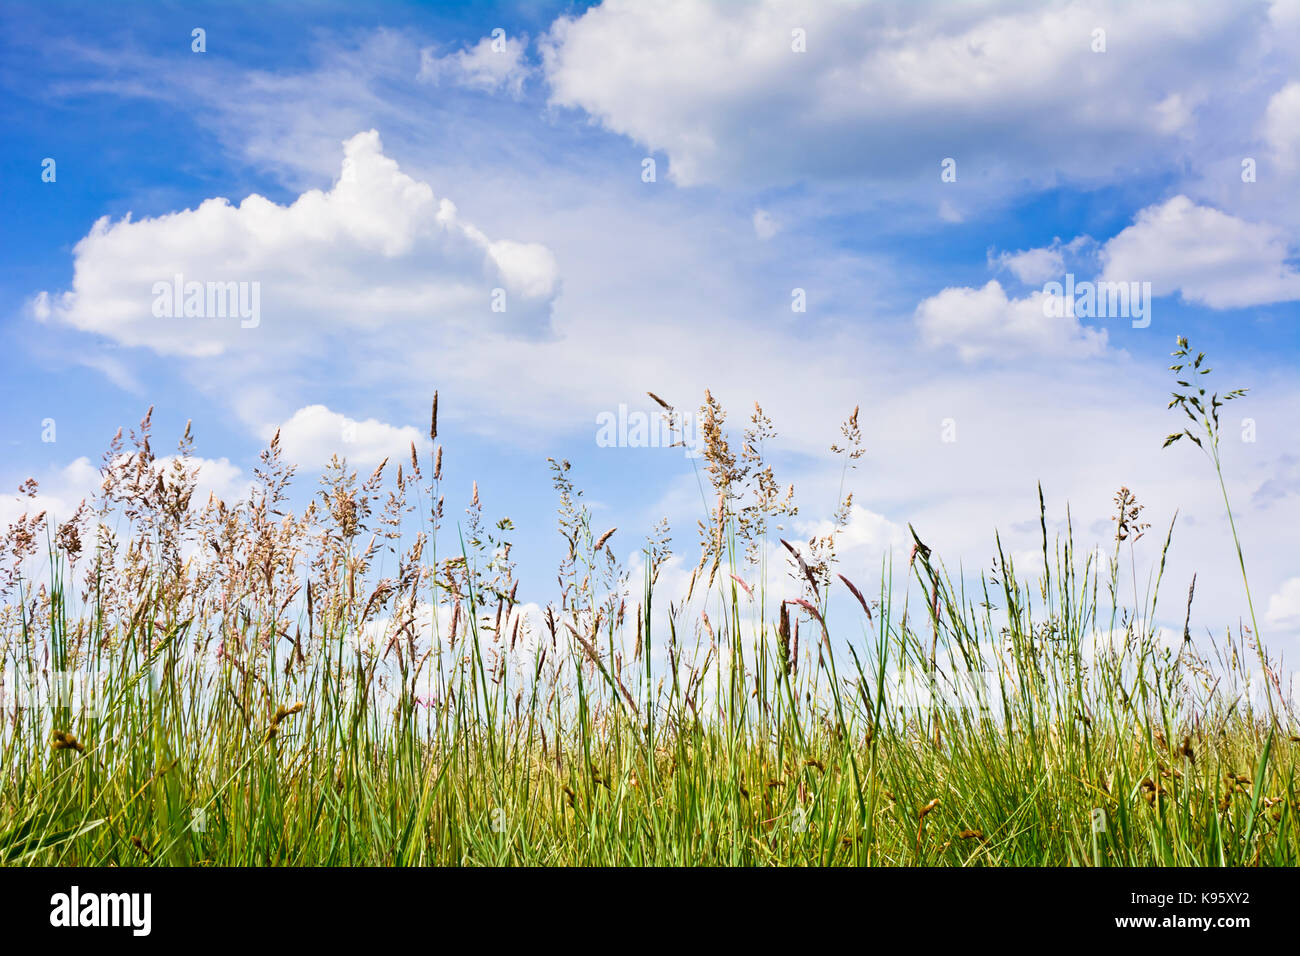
(356, 683)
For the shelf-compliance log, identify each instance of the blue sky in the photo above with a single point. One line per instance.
(776, 170)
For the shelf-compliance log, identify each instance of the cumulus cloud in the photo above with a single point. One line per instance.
(1033, 266)
(376, 248)
(492, 64)
(315, 434)
(1208, 256)
(888, 91)
(984, 323)
(1282, 126)
(1284, 606)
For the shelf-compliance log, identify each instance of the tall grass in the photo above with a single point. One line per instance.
(358, 683)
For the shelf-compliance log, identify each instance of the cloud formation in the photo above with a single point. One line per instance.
(777, 91)
(378, 248)
(494, 63)
(314, 434)
(985, 323)
(1207, 256)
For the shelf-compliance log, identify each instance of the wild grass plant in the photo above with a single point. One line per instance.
(357, 683)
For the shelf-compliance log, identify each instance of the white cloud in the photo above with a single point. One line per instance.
(40, 306)
(1033, 266)
(886, 92)
(314, 434)
(765, 227)
(1284, 606)
(1282, 126)
(376, 249)
(491, 64)
(1208, 256)
(527, 267)
(984, 323)
(950, 213)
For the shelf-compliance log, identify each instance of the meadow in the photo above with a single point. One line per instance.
(195, 683)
